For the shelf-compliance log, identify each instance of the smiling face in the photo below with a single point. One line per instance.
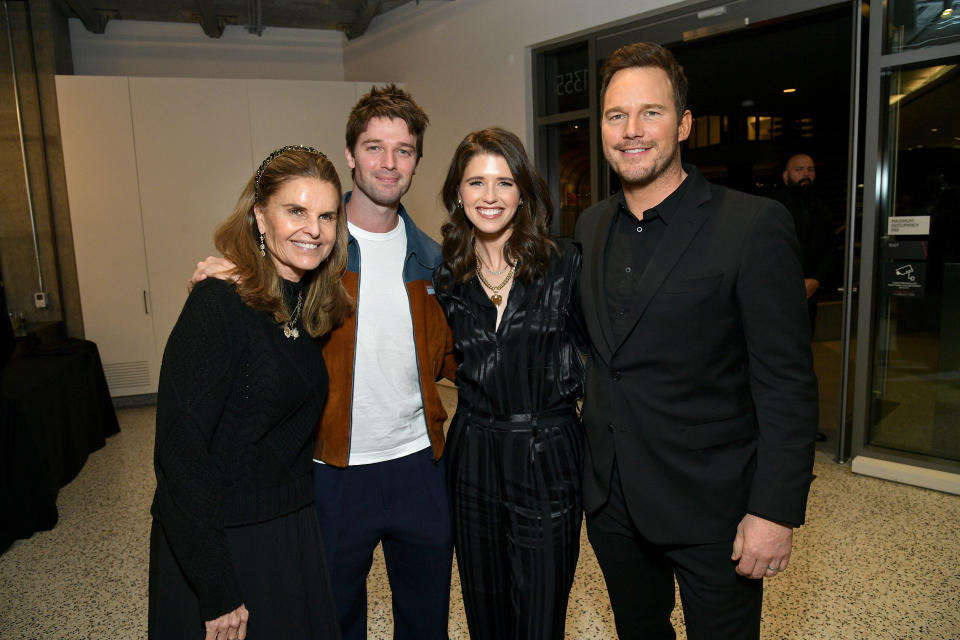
(640, 128)
(490, 196)
(384, 161)
(299, 222)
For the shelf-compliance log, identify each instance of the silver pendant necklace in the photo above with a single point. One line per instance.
(289, 328)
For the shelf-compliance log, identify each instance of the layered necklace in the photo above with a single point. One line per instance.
(495, 297)
(289, 327)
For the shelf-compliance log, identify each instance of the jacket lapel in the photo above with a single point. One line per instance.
(671, 247)
(593, 292)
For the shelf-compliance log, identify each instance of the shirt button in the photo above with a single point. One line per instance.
(616, 376)
(628, 269)
(639, 229)
(610, 427)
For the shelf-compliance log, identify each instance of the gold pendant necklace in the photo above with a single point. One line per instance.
(289, 328)
(495, 297)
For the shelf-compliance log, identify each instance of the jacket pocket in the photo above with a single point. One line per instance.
(692, 285)
(712, 434)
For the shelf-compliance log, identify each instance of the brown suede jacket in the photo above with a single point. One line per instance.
(432, 337)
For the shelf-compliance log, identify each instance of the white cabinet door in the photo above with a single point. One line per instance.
(154, 165)
(101, 172)
(194, 158)
(311, 113)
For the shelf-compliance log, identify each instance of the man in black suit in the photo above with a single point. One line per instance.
(700, 406)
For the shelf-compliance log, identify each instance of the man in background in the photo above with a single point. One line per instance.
(811, 219)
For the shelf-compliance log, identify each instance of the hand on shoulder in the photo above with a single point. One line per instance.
(213, 266)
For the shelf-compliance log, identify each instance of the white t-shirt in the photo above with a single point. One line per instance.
(387, 412)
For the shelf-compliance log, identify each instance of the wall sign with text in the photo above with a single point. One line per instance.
(908, 226)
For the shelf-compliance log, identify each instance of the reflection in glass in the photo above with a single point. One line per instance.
(916, 365)
(764, 127)
(707, 131)
(566, 85)
(913, 24)
(568, 174)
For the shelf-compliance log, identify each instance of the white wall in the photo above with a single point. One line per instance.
(467, 63)
(180, 50)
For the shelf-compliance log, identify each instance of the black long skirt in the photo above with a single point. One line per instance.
(283, 577)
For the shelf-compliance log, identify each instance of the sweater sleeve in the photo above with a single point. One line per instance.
(197, 375)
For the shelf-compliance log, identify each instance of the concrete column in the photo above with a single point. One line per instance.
(41, 49)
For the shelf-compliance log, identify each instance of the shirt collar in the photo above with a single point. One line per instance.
(667, 210)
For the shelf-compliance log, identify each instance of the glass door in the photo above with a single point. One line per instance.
(565, 95)
(907, 407)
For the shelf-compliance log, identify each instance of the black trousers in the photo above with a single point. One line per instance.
(515, 502)
(718, 604)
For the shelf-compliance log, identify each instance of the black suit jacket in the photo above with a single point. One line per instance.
(709, 405)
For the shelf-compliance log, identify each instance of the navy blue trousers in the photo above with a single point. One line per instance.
(403, 504)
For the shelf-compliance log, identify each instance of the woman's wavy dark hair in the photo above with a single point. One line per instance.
(529, 244)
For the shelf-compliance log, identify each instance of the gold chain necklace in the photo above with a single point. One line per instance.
(289, 330)
(495, 297)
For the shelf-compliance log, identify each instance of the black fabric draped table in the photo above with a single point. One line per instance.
(55, 409)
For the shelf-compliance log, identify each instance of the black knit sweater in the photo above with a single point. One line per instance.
(237, 407)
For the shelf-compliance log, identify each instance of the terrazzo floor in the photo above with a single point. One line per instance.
(876, 560)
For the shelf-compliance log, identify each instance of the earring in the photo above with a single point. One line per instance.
(459, 202)
(263, 248)
(520, 202)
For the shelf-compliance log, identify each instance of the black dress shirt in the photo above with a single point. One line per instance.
(630, 245)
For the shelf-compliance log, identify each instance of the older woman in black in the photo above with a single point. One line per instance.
(514, 448)
(235, 540)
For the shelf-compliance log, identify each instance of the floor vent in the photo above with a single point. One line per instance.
(124, 375)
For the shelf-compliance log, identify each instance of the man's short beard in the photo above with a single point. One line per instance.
(653, 173)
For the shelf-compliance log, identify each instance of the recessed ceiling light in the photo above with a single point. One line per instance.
(789, 90)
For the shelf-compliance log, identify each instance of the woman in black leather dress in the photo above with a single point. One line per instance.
(514, 449)
(235, 545)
